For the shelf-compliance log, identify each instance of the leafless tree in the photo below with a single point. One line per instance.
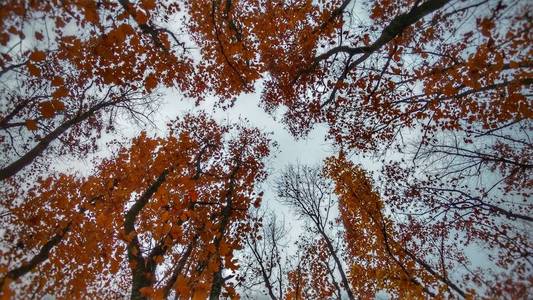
(310, 194)
(266, 256)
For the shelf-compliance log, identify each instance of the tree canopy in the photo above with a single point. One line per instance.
(436, 93)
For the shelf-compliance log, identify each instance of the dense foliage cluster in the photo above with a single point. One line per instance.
(437, 92)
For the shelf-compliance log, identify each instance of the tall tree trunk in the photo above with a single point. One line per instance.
(40, 257)
(141, 273)
(333, 253)
(38, 149)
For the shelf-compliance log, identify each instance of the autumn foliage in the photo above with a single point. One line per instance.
(435, 94)
(180, 200)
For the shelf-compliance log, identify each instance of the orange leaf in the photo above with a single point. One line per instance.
(165, 216)
(89, 9)
(58, 105)
(193, 195)
(181, 285)
(34, 70)
(108, 76)
(4, 38)
(224, 248)
(37, 56)
(232, 264)
(159, 259)
(141, 17)
(57, 81)
(485, 26)
(150, 82)
(47, 109)
(115, 266)
(6, 291)
(31, 125)
(213, 266)
(176, 232)
(148, 4)
(60, 92)
(200, 294)
(146, 291)
(39, 36)
(158, 295)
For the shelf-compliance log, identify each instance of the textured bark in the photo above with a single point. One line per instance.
(40, 257)
(218, 281)
(142, 272)
(333, 253)
(38, 149)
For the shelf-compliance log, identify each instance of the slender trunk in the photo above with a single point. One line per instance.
(37, 259)
(439, 276)
(264, 274)
(218, 281)
(179, 267)
(335, 284)
(141, 273)
(38, 149)
(339, 265)
(267, 283)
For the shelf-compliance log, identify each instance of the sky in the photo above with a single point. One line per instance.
(311, 150)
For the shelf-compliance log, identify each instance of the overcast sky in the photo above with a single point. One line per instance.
(310, 150)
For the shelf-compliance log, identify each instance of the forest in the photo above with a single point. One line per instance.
(424, 192)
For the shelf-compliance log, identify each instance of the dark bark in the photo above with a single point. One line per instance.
(333, 253)
(38, 149)
(218, 280)
(142, 273)
(394, 29)
(39, 258)
(260, 262)
(179, 267)
(427, 267)
(11, 67)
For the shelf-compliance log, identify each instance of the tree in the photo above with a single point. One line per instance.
(424, 254)
(310, 194)
(372, 255)
(392, 265)
(162, 216)
(441, 85)
(381, 251)
(66, 67)
(265, 258)
(437, 90)
(370, 258)
(413, 64)
(313, 275)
